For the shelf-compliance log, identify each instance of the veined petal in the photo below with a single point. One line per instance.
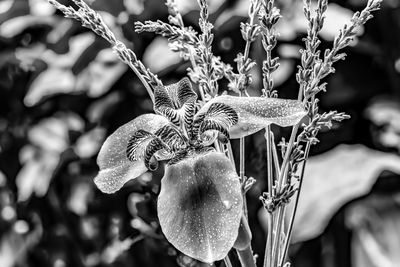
(200, 205)
(176, 102)
(218, 117)
(115, 167)
(255, 113)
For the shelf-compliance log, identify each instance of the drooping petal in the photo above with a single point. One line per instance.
(176, 102)
(255, 113)
(115, 167)
(200, 205)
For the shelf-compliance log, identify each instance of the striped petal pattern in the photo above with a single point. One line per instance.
(176, 102)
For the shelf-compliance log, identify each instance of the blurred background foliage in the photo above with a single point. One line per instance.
(63, 91)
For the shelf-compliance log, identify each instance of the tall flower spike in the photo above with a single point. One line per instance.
(255, 113)
(115, 167)
(176, 102)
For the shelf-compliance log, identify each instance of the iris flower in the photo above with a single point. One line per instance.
(200, 202)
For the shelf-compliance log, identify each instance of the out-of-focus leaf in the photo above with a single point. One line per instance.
(385, 114)
(144, 228)
(98, 109)
(50, 138)
(295, 22)
(12, 8)
(158, 56)
(135, 7)
(51, 82)
(77, 45)
(81, 193)
(113, 8)
(41, 8)
(101, 74)
(3, 179)
(375, 233)
(185, 6)
(240, 9)
(58, 78)
(89, 144)
(384, 111)
(14, 247)
(333, 179)
(133, 200)
(51, 134)
(17, 25)
(35, 175)
(116, 248)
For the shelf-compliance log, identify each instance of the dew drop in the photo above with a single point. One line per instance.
(227, 204)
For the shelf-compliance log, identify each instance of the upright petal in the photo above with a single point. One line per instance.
(200, 205)
(176, 101)
(218, 117)
(115, 167)
(255, 113)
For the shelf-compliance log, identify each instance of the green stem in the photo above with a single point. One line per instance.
(287, 156)
(269, 158)
(276, 245)
(275, 156)
(268, 245)
(293, 215)
(246, 257)
(227, 261)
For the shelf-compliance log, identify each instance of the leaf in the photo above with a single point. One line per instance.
(17, 25)
(36, 174)
(255, 113)
(115, 167)
(51, 134)
(101, 74)
(49, 83)
(158, 55)
(200, 206)
(333, 179)
(176, 102)
(89, 143)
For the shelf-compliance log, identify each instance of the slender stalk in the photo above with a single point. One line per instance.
(270, 179)
(276, 245)
(230, 154)
(293, 215)
(275, 155)
(246, 257)
(287, 156)
(227, 261)
(268, 245)
(269, 158)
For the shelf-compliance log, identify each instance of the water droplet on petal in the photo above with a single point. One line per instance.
(227, 204)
